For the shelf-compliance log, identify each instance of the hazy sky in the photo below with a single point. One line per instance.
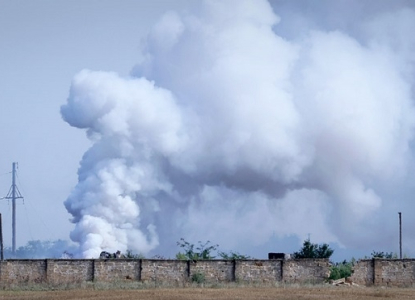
(252, 124)
(43, 45)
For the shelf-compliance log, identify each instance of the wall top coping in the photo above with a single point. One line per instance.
(171, 260)
(387, 259)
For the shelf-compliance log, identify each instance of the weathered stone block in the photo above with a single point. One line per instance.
(69, 271)
(117, 269)
(305, 270)
(173, 272)
(212, 270)
(258, 271)
(23, 271)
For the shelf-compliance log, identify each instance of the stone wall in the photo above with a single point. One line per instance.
(385, 272)
(152, 272)
(107, 270)
(159, 272)
(63, 271)
(363, 272)
(162, 272)
(308, 271)
(23, 271)
(259, 271)
(212, 271)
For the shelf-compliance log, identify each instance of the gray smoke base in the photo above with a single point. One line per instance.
(246, 120)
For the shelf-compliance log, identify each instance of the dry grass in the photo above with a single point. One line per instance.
(224, 293)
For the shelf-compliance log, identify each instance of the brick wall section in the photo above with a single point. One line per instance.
(175, 272)
(305, 270)
(363, 272)
(115, 270)
(74, 270)
(213, 270)
(378, 272)
(161, 272)
(258, 271)
(23, 271)
(385, 272)
(395, 272)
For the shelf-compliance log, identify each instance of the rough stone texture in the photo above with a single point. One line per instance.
(74, 270)
(385, 272)
(116, 269)
(212, 270)
(394, 272)
(363, 272)
(22, 271)
(251, 271)
(378, 272)
(174, 272)
(305, 270)
(163, 272)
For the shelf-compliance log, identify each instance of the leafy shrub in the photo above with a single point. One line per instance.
(181, 256)
(232, 255)
(341, 270)
(310, 250)
(198, 277)
(203, 251)
(381, 254)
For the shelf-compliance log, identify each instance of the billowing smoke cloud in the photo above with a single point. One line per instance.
(234, 129)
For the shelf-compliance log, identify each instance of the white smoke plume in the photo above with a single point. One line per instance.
(235, 129)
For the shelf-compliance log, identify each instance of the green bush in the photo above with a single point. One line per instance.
(341, 270)
(232, 255)
(381, 254)
(198, 277)
(181, 256)
(310, 250)
(203, 251)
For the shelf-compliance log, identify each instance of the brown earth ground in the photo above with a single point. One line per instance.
(323, 292)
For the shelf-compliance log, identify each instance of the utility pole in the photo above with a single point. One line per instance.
(1, 240)
(14, 194)
(400, 235)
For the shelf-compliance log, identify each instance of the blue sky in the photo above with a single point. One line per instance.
(267, 123)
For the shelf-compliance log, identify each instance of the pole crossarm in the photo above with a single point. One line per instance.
(13, 194)
(17, 195)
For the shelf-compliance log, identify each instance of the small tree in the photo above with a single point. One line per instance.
(203, 251)
(341, 270)
(310, 250)
(232, 255)
(381, 254)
